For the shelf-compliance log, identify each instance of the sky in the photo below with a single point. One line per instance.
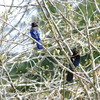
(8, 2)
(4, 9)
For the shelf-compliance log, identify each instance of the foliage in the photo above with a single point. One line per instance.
(41, 74)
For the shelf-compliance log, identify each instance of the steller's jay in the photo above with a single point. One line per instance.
(35, 33)
(75, 60)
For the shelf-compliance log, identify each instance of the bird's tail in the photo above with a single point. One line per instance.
(38, 45)
(69, 77)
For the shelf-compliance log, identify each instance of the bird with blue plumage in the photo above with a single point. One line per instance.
(75, 58)
(35, 34)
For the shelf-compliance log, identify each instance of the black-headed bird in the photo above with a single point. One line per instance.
(75, 58)
(35, 33)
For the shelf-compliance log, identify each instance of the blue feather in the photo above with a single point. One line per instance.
(75, 60)
(38, 45)
(36, 35)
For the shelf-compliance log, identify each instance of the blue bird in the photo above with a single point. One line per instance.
(35, 34)
(75, 60)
